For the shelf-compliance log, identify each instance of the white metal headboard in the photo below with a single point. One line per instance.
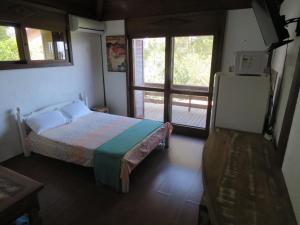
(21, 118)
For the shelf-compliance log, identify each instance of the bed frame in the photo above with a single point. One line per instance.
(24, 129)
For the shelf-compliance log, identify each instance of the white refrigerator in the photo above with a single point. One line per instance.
(240, 102)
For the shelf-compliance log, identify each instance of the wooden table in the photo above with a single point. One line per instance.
(243, 183)
(18, 196)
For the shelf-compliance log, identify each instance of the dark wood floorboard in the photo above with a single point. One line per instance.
(166, 189)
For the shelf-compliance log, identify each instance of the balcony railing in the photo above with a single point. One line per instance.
(189, 101)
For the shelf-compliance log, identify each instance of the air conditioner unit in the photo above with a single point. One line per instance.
(86, 25)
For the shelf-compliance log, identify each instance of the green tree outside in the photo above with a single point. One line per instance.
(8, 45)
(154, 60)
(192, 60)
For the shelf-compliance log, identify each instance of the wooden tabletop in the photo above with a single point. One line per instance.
(242, 182)
(14, 187)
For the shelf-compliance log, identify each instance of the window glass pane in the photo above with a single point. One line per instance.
(8, 44)
(189, 110)
(46, 45)
(149, 105)
(192, 61)
(40, 44)
(59, 45)
(149, 61)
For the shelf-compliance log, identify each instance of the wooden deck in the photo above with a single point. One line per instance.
(180, 114)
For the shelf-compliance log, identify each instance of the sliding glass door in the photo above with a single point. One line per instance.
(171, 80)
(191, 71)
(149, 72)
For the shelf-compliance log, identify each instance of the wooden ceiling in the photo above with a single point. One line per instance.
(120, 9)
(85, 8)
(117, 9)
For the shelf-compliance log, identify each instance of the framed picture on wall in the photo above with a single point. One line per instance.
(116, 53)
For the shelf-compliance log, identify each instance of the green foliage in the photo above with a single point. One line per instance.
(8, 46)
(154, 60)
(192, 60)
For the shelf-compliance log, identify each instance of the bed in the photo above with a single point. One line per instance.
(92, 141)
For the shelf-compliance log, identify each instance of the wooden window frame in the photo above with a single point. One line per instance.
(165, 26)
(23, 47)
(19, 43)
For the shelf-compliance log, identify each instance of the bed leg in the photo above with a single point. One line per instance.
(166, 142)
(125, 187)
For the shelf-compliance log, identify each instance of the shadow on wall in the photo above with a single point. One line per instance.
(9, 136)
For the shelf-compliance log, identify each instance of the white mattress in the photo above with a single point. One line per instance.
(76, 142)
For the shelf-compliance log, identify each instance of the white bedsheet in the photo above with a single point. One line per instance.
(90, 131)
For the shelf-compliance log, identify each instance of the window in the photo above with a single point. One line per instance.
(192, 61)
(45, 44)
(8, 44)
(40, 44)
(188, 80)
(149, 61)
(36, 42)
(172, 69)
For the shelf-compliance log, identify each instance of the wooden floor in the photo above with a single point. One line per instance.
(165, 189)
(180, 114)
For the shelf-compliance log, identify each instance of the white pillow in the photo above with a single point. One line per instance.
(75, 110)
(42, 122)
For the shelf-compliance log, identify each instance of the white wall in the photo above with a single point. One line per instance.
(291, 165)
(241, 33)
(290, 8)
(115, 82)
(34, 88)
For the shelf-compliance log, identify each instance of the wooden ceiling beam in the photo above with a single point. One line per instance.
(99, 9)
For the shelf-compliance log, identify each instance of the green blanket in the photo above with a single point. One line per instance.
(108, 157)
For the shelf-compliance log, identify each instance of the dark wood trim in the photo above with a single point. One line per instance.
(25, 46)
(119, 9)
(289, 113)
(128, 57)
(69, 41)
(175, 91)
(168, 78)
(191, 24)
(148, 88)
(130, 103)
(178, 87)
(186, 92)
(215, 67)
(76, 7)
(20, 42)
(189, 88)
(7, 23)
